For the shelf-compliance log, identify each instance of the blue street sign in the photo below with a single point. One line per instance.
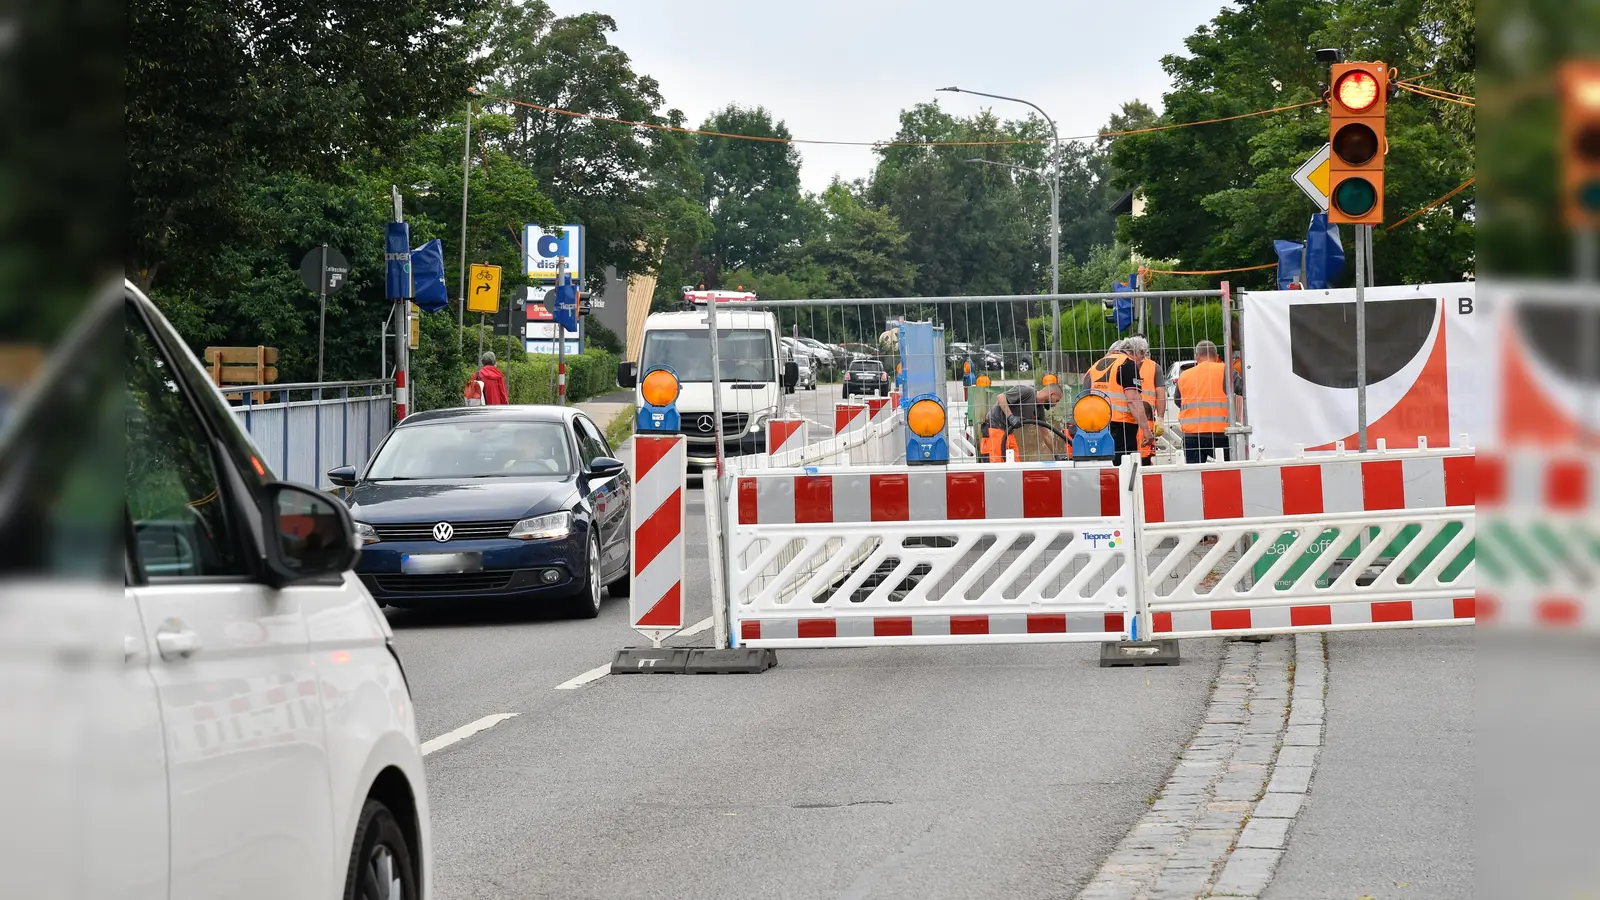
(566, 311)
(397, 262)
(427, 277)
(1325, 255)
(1289, 254)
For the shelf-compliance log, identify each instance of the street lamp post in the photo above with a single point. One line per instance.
(1055, 221)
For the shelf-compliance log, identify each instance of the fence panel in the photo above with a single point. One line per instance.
(306, 429)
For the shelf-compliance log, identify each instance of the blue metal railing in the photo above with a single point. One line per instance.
(303, 430)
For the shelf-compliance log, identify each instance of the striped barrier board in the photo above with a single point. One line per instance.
(848, 417)
(1043, 491)
(879, 409)
(1540, 511)
(1258, 547)
(656, 607)
(930, 626)
(785, 436)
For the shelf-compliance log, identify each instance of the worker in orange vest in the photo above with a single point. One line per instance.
(1152, 384)
(1117, 376)
(1202, 399)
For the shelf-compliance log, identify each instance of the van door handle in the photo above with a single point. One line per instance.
(174, 641)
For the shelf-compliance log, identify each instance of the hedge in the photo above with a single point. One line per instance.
(532, 379)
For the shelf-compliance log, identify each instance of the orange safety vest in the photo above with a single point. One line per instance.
(1205, 399)
(1147, 385)
(1103, 377)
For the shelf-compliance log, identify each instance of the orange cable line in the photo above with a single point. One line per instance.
(1432, 96)
(1208, 271)
(1459, 188)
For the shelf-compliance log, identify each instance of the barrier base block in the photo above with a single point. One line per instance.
(650, 661)
(1139, 653)
(731, 661)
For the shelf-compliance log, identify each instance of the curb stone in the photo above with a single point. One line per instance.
(1221, 823)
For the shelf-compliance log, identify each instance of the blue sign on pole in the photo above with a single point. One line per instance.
(566, 311)
(397, 262)
(427, 277)
(1122, 307)
(1289, 253)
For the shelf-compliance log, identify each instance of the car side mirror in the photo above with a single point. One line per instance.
(627, 374)
(605, 467)
(343, 476)
(791, 375)
(309, 535)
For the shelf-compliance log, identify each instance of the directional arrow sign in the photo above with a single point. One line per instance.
(1312, 176)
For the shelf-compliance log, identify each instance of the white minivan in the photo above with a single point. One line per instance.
(755, 371)
(234, 721)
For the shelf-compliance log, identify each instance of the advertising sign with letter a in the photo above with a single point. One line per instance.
(542, 250)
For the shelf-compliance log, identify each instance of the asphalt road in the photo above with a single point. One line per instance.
(967, 772)
(1390, 812)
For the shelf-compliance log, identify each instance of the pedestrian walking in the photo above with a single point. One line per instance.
(1203, 404)
(494, 382)
(1117, 375)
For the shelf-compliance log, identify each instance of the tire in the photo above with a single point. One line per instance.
(381, 865)
(584, 603)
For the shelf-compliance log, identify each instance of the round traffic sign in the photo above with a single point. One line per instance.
(338, 271)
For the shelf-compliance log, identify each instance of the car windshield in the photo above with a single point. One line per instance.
(473, 448)
(745, 353)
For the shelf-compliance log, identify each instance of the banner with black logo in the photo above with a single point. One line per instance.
(1425, 357)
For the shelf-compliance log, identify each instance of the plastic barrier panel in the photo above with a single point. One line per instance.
(660, 471)
(1378, 540)
(1540, 541)
(886, 556)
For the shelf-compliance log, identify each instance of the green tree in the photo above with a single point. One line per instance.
(1219, 194)
(221, 94)
(751, 189)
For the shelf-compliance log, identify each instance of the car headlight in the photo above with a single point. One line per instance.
(759, 426)
(554, 525)
(366, 534)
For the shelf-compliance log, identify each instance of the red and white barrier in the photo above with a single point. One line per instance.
(1540, 511)
(1204, 530)
(880, 409)
(786, 436)
(883, 556)
(660, 473)
(848, 417)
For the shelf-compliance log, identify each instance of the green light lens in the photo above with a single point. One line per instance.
(1589, 196)
(1355, 197)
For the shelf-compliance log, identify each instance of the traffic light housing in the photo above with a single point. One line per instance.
(1358, 104)
(1580, 143)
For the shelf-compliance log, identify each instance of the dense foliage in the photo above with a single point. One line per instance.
(258, 131)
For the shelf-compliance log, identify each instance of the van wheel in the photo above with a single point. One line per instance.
(380, 861)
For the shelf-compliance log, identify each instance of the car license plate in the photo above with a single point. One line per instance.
(440, 563)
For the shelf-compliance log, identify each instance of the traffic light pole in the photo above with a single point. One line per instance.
(1363, 235)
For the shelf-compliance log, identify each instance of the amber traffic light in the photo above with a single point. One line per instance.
(1580, 132)
(1357, 105)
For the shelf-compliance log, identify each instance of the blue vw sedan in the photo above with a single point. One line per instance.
(492, 503)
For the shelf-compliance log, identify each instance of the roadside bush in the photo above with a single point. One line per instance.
(531, 378)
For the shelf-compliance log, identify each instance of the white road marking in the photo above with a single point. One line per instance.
(594, 674)
(696, 628)
(464, 732)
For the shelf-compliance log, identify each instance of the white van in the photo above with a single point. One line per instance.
(756, 372)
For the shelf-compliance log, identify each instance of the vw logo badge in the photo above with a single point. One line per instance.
(443, 531)
(705, 423)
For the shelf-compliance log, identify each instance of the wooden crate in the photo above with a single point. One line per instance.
(242, 365)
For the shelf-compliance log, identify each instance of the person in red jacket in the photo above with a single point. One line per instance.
(494, 383)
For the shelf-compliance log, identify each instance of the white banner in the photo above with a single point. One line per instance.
(1426, 347)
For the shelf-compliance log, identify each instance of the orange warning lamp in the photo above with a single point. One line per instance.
(983, 381)
(1091, 412)
(925, 418)
(1358, 107)
(659, 388)
(1049, 378)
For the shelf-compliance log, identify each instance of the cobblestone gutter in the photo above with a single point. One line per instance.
(1220, 825)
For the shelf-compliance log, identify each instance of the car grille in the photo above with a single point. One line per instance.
(442, 584)
(702, 423)
(463, 531)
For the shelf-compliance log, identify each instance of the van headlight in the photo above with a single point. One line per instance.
(538, 528)
(366, 534)
(759, 424)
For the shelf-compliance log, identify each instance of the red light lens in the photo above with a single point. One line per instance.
(1356, 90)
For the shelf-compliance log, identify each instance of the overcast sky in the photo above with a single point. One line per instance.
(844, 69)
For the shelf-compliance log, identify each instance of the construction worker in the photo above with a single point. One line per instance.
(1011, 408)
(1203, 404)
(1117, 376)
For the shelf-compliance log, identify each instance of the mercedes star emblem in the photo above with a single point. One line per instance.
(705, 423)
(443, 531)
